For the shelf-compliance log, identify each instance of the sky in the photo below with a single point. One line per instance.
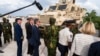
(10, 5)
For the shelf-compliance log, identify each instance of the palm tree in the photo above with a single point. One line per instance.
(94, 18)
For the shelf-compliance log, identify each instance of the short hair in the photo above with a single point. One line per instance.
(88, 28)
(17, 19)
(27, 18)
(35, 20)
(69, 22)
(30, 18)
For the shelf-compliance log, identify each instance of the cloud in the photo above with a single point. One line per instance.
(6, 6)
(82, 1)
(89, 5)
(12, 4)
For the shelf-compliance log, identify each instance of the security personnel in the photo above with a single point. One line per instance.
(51, 38)
(65, 38)
(5, 27)
(10, 29)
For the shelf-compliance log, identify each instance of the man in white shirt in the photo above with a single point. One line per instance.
(65, 38)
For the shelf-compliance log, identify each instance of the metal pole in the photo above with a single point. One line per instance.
(18, 9)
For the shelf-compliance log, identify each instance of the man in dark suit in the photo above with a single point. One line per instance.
(18, 36)
(0, 38)
(28, 27)
(14, 23)
(0, 35)
(35, 39)
(94, 49)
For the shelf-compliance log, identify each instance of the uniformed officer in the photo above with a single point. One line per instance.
(5, 27)
(51, 38)
(10, 29)
(65, 37)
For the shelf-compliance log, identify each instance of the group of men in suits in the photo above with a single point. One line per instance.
(32, 33)
(33, 37)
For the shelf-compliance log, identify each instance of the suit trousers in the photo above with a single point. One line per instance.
(36, 51)
(30, 49)
(0, 42)
(62, 49)
(19, 48)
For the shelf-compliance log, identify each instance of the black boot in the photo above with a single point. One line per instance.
(1, 51)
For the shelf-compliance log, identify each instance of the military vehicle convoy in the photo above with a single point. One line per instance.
(63, 10)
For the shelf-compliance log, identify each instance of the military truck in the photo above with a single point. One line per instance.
(63, 10)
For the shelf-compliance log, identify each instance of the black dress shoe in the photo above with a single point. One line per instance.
(1, 51)
(29, 53)
(0, 45)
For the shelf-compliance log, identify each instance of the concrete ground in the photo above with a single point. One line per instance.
(11, 49)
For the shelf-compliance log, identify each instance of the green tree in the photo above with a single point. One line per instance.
(92, 16)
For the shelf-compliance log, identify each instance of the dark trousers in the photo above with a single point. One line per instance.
(51, 51)
(6, 38)
(11, 34)
(75, 54)
(19, 48)
(62, 49)
(0, 42)
(30, 49)
(36, 51)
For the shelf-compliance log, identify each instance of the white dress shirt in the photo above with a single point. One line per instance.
(82, 43)
(65, 36)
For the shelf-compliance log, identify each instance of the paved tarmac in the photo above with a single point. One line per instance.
(11, 49)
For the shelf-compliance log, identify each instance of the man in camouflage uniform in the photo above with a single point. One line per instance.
(6, 33)
(51, 38)
(10, 29)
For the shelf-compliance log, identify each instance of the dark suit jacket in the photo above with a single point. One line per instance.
(0, 29)
(35, 39)
(94, 49)
(18, 32)
(28, 27)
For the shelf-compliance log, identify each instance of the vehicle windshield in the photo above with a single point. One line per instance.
(62, 7)
(52, 8)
